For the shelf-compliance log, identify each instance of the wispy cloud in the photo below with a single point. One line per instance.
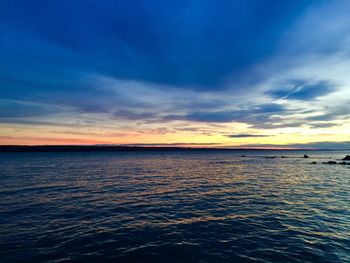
(303, 91)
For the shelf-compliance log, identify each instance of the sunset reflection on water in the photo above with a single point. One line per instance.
(207, 207)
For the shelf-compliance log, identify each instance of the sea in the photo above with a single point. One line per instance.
(174, 206)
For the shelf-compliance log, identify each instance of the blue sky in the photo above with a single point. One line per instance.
(231, 72)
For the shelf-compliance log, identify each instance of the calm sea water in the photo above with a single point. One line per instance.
(174, 207)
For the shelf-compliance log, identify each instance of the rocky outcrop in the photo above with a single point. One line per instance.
(306, 156)
(346, 158)
(334, 162)
(331, 162)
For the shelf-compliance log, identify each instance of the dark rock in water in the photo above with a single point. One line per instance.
(313, 163)
(243, 156)
(283, 156)
(344, 163)
(306, 156)
(270, 157)
(346, 158)
(331, 162)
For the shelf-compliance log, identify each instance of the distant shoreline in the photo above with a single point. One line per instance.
(104, 148)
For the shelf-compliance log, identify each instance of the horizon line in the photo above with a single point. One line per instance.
(167, 146)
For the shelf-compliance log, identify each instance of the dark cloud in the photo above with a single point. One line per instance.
(81, 96)
(14, 109)
(219, 116)
(255, 115)
(337, 112)
(278, 123)
(31, 122)
(304, 91)
(318, 125)
(133, 116)
(246, 135)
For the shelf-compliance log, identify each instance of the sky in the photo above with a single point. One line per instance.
(244, 73)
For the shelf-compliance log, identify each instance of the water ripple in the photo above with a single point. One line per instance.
(173, 207)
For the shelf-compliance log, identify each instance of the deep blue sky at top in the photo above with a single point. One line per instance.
(130, 66)
(183, 43)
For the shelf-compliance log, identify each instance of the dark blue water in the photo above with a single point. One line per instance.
(174, 207)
